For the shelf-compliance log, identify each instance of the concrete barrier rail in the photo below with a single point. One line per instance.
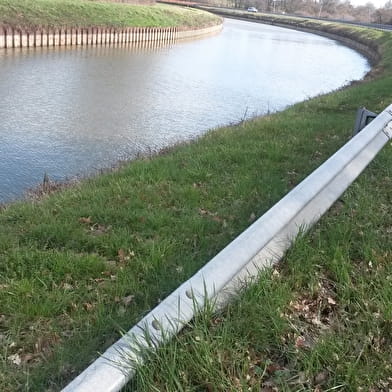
(261, 245)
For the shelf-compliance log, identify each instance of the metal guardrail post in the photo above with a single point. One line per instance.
(363, 118)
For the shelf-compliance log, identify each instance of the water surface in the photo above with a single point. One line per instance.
(71, 111)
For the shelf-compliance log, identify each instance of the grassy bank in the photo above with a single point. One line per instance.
(82, 264)
(321, 320)
(85, 13)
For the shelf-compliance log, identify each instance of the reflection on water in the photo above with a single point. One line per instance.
(69, 112)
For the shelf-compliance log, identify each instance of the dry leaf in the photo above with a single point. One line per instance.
(321, 377)
(27, 357)
(85, 220)
(179, 269)
(99, 280)
(97, 229)
(300, 342)
(217, 219)
(89, 307)
(123, 256)
(15, 359)
(203, 211)
(252, 217)
(127, 300)
(67, 286)
(273, 367)
(316, 321)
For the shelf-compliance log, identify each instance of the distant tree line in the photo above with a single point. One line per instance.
(336, 9)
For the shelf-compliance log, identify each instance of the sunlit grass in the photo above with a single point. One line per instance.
(321, 320)
(85, 13)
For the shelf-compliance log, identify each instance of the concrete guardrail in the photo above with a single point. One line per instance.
(261, 245)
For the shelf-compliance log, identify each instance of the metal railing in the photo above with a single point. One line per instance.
(262, 244)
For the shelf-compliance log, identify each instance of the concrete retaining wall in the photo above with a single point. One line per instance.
(187, 34)
(49, 37)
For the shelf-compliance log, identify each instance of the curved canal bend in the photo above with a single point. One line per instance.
(69, 112)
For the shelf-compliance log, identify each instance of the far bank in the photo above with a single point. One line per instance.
(47, 23)
(36, 14)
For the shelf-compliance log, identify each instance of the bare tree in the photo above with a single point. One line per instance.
(337, 9)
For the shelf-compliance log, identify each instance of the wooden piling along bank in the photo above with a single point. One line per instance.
(48, 37)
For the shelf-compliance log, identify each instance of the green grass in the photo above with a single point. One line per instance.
(82, 264)
(32, 14)
(321, 319)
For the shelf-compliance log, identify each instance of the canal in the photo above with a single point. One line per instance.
(69, 112)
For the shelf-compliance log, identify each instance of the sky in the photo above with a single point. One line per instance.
(377, 3)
